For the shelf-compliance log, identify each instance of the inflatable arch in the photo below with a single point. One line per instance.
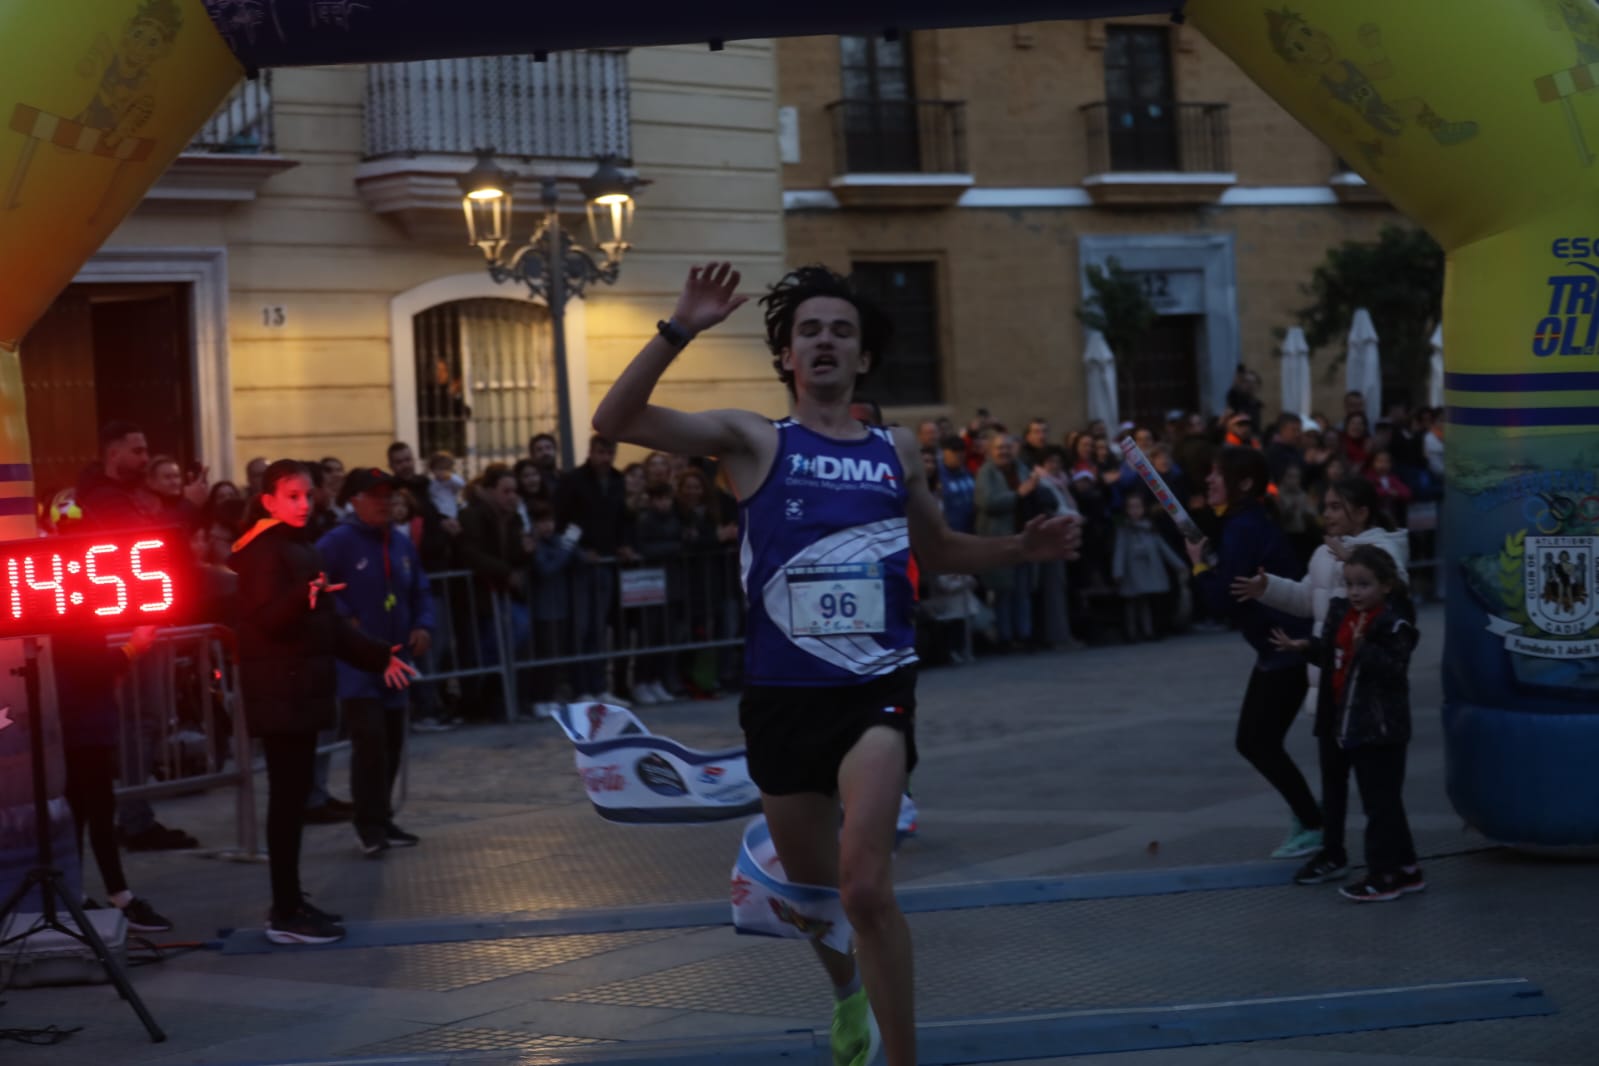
(1477, 118)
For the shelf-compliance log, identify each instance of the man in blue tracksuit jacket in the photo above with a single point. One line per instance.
(383, 592)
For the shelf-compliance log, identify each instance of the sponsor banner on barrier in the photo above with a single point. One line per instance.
(766, 903)
(643, 588)
(631, 775)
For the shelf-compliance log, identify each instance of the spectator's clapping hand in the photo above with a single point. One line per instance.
(451, 526)
(197, 486)
(709, 296)
(141, 640)
(1340, 551)
(1197, 550)
(398, 673)
(727, 533)
(420, 641)
(1250, 588)
(1283, 642)
(1047, 538)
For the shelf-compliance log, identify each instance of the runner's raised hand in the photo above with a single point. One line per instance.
(709, 296)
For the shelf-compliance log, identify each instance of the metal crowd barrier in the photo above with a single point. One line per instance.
(181, 722)
(589, 628)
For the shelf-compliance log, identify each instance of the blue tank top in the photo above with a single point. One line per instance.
(823, 554)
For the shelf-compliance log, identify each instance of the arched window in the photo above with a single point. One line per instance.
(485, 380)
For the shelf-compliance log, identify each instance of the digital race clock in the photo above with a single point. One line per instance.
(106, 581)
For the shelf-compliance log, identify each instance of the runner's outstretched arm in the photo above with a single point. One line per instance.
(626, 414)
(941, 550)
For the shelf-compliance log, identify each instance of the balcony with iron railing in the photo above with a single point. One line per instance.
(899, 153)
(425, 120)
(232, 156)
(1151, 151)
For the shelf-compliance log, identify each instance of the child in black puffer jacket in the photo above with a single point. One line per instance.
(1363, 723)
(289, 638)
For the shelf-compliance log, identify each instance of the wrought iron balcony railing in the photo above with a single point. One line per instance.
(1144, 135)
(899, 136)
(574, 105)
(243, 124)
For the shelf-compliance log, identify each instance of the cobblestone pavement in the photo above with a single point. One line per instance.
(1110, 759)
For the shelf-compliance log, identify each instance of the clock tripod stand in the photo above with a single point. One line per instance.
(45, 875)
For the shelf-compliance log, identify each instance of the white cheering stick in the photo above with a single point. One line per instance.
(1134, 457)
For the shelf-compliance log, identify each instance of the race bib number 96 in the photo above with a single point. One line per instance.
(829, 600)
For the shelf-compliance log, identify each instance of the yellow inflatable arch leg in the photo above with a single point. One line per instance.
(1480, 120)
(97, 97)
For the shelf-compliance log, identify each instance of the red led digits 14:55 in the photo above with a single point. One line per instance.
(110, 581)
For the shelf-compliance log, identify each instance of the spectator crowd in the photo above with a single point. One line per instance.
(622, 584)
(595, 565)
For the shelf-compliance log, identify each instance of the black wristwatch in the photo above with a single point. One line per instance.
(675, 334)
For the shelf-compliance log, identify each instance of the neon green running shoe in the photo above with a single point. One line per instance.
(1300, 842)
(855, 1035)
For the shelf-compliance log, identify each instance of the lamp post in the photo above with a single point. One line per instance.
(551, 264)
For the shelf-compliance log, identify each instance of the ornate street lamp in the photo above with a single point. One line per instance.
(551, 264)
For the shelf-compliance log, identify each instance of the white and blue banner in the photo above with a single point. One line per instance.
(766, 903)
(633, 776)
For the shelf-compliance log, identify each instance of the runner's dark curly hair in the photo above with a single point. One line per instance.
(782, 301)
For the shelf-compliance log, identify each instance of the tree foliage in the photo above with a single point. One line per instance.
(1399, 279)
(1117, 306)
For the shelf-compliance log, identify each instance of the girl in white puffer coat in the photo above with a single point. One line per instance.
(1351, 515)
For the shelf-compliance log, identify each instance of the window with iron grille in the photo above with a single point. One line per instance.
(1140, 98)
(908, 294)
(485, 380)
(880, 124)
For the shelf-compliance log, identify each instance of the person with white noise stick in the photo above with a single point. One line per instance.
(1134, 457)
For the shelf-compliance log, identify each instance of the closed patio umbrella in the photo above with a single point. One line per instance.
(1363, 368)
(1099, 372)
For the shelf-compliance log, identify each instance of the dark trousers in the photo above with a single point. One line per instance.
(1270, 703)
(290, 763)
(90, 794)
(1380, 775)
(594, 592)
(550, 641)
(377, 737)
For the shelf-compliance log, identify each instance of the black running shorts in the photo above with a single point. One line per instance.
(797, 737)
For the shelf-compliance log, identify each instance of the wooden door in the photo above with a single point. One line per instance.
(103, 353)
(58, 385)
(1162, 373)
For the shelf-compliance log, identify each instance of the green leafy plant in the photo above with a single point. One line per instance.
(1399, 278)
(1118, 307)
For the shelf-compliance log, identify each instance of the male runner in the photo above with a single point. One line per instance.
(829, 511)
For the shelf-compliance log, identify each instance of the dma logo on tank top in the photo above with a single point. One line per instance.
(836, 474)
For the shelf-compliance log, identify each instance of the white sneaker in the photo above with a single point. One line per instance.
(546, 710)
(613, 699)
(644, 695)
(661, 695)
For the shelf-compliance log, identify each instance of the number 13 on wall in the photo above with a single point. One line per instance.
(109, 581)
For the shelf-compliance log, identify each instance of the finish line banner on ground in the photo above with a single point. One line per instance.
(634, 776)
(766, 903)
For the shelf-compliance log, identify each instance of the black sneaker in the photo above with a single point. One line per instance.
(399, 838)
(1321, 868)
(159, 838)
(1411, 881)
(1376, 888)
(374, 842)
(317, 912)
(333, 812)
(302, 927)
(142, 918)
